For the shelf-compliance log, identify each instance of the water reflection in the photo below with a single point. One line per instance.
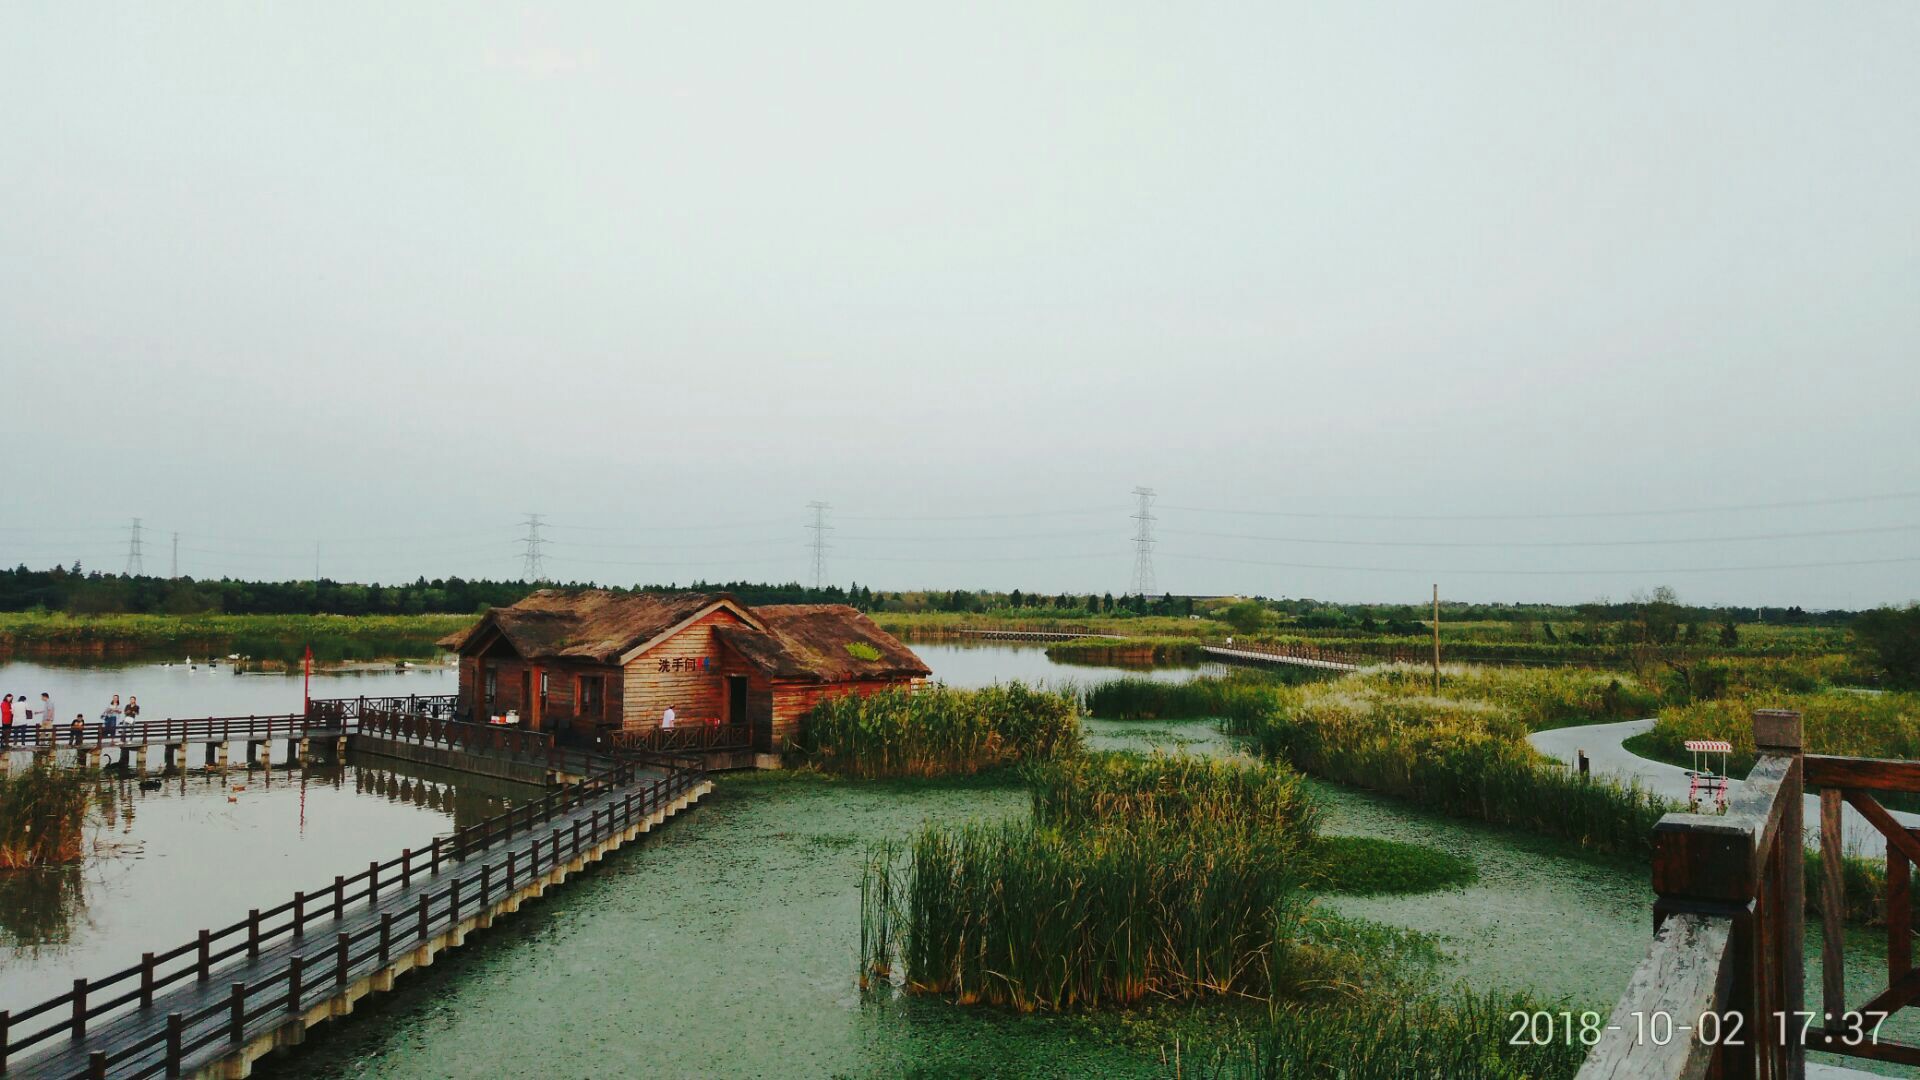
(39, 907)
(195, 849)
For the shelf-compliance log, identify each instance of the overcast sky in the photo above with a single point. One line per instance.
(388, 276)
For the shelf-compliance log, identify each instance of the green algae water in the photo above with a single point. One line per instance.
(725, 944)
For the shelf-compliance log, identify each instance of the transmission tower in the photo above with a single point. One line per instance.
(533, 568)
(135, 567)
(1143, 583)
(819, 528)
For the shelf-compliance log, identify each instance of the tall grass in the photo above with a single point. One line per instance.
(43, 816)
(1833, 722)
(938, 731)
(1137, 879)
(1463, 753)
(1037, 918)
(1457, 1035)
(1126, 790)
(1134, 698)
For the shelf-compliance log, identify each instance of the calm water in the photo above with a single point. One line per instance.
(968, 664)
(203, 847)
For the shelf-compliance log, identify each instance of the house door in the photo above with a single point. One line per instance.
(736, 699)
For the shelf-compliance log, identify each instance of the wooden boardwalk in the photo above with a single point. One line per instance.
(216, 1004)
(1304, 657)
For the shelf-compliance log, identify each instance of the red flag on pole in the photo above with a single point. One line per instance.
(306, 685)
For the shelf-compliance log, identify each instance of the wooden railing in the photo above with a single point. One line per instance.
(685, 738)
(153, 732)
(341, 710)
(1722, 992)
(1854, 1031)
(459, 735)
(169, 1042)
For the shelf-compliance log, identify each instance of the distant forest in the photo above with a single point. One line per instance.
(90, 592)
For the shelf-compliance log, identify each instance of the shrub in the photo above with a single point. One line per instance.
(43, 816)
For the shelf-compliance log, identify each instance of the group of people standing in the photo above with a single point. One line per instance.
(36, 720)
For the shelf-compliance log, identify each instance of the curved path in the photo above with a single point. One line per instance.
(1602, 742)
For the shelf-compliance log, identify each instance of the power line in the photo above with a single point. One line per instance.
(532, 567)
(1549, 573)
(135, 564)
(819, 527)
(1090, 512)
(1727, 508)
(1867, 530)
(1143, 583)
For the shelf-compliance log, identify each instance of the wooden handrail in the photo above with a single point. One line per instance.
(140, 982)
(1729, 917)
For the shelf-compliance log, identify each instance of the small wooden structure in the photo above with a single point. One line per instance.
(603, 666)
(1722, 990)
(1703, 781)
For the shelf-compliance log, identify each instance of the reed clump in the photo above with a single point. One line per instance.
(1839, 722)
(1456, 1034)
(1094, 791)
(1162, 878)
(1135, 698)
(43, 816)
(939, 731)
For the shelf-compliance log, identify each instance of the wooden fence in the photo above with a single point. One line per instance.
(1722, 991)
(164, 1044)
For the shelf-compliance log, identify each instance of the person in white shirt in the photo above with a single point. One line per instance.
(666, 719)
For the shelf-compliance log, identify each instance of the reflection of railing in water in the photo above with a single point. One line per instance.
(185, 1023)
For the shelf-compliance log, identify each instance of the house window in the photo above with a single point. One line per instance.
(543, 692)
(493, 683)
(592, 695)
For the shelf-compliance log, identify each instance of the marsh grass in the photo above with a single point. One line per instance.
(1092, 791)
(1132, 698)
(44, 813)
(1463, 752)
(1373, 866)
(938, 730)
(1456, 1034)
(1848, 723)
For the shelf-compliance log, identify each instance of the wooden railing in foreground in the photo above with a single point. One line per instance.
(167, 1043)
(685, 738)
(459, 735)
(1722, 992)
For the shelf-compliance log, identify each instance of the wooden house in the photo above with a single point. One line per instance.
(584, 664)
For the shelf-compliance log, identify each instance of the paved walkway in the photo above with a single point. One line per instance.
(1602, 742)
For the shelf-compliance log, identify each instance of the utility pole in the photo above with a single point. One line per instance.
(533, 564)
(1436, 637)
(174, 570)
(1143, 583)
(135, 565)
(316, 562)
(819, 528)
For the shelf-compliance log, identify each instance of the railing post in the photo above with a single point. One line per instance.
(205, 963)
(342, 943)
(79, 1009)
(339, 896)
(373, 882)
(299, 913)
(237, 1013)
(176, 1027)
(296, 965)
(146, 979)
(1779, 731)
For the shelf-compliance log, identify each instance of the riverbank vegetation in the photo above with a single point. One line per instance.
(1461, 750)
(1843, 722)
(275, 638)
(938, 731)
(44, 813)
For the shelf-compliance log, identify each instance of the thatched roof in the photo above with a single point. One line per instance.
(811, 641)
(593, 625)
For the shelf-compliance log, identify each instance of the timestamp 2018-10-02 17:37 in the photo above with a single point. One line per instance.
(1541, 1027)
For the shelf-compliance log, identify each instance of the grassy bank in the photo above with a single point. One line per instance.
(1462, 751)
(263, 637)
(937, 730)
